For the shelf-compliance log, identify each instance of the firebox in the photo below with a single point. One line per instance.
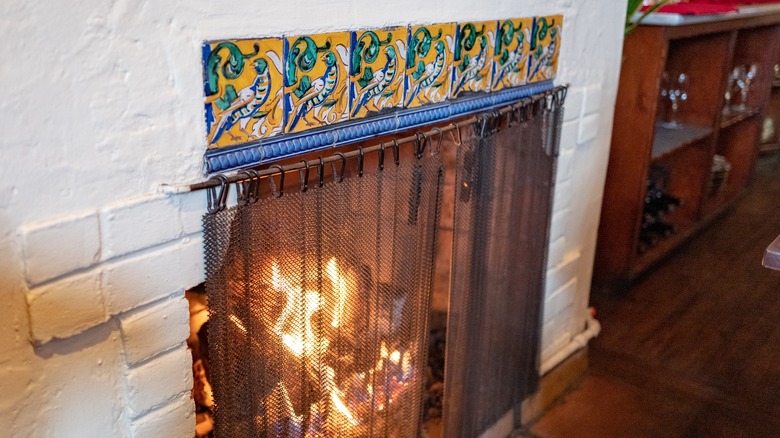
(321, 279)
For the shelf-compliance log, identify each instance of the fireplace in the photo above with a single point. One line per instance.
(321, 282)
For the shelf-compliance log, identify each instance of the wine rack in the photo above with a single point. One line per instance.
(664, 184)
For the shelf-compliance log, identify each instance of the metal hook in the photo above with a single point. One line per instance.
(496, 121)
(420, 144)
(381, 156)
(396, 152)
(438, 143)
(460, 139)
(304, 176)
(218, 200)
(321, 172)
(274, 192)
(360, 161)
(248, 191)
(339, 176)
(483, 124)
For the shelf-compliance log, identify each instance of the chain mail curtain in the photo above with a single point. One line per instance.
(319, 303)
(503, 199)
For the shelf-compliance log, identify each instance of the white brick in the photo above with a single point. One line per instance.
(563, 195)
(175, 420)
(559, 223)
(562, 274)
(155, 329)
(192, 206)
(159, 381)
(592, 100)
(547, 340)
(152, 275)
(569, 133)
(66, 307)
(565, 166)
(55, 248)
(555, 252)
(558, 301)
(138, 224)
(589, 128)
(573, 104)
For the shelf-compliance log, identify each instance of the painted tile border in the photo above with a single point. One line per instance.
(536, 40)
(269, 150)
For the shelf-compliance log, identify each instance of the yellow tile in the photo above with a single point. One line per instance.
(243, 90)
(510, 60)
(316, 80)
(428, 64)
(544, 47)
(377, 70)
(473, 62)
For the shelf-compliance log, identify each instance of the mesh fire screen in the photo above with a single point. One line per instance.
(319, 303)
(503, 199)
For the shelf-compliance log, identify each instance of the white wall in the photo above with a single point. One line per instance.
(101, 103)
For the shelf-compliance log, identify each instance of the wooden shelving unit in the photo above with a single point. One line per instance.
(707, 52)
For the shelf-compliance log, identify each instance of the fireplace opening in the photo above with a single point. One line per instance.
(393, 296)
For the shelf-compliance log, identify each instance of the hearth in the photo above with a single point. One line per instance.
(320, 282)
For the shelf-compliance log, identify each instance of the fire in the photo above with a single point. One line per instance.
(352, 392)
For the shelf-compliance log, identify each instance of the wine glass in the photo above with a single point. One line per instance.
(747, 79)
(677, 93)
(731, 90)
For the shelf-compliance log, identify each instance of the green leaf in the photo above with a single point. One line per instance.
(636, 5)
(259, 114)
(329, 103)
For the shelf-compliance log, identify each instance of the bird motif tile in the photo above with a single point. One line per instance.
(544, 47)
(243, 90)
(259, 88)
(377, 70)
(510, 55)
(473, 61)
(428, 62)
(316, 80)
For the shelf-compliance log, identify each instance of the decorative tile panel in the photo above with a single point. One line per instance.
(377, 69)
(286, 86)
(473, 61)
(510, 55)
(428, 63)
(544, 46)
(316, 80)
(243, 90)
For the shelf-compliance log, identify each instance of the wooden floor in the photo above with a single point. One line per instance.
(693, 349)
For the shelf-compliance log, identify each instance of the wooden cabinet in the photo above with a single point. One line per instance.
(642, 148)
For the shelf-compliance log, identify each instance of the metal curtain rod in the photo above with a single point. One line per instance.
(550, 98)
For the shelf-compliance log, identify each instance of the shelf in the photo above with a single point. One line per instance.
(653, 255)
(668, 140)
(735, 117)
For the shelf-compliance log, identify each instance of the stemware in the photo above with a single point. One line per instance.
(676, 92)
(747, 79)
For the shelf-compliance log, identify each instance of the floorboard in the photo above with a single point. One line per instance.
(693, 348)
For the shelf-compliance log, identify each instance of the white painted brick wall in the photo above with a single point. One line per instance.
(158, 328)
(157, 216)
(159, 381)
(176, 419)
(66, 307)
(153, 274)
(54, 248)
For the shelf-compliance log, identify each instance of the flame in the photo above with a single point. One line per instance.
(238, 323)
(340, 287)
(386, 380)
